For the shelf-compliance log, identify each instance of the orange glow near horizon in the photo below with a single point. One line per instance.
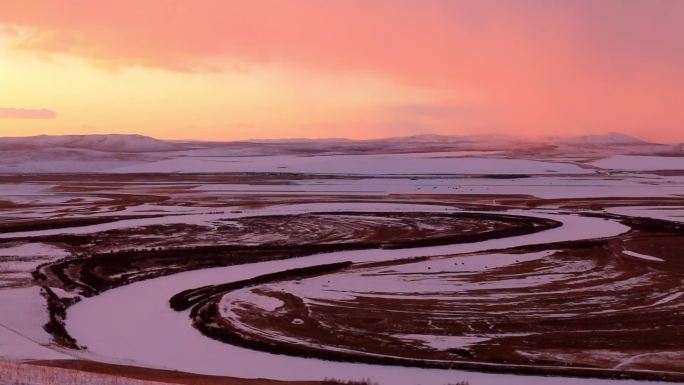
(222, 70)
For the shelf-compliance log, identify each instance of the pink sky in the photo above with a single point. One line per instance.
(350, 68)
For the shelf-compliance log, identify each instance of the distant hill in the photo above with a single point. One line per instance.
(107, 143)
(99, 153)
(125, 143)
(613, 138)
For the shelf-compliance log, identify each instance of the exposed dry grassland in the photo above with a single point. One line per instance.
(25, 374)
(76, 372)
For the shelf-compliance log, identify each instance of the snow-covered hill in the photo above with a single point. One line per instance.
(116, 153)
(610, 139)
(108, 143)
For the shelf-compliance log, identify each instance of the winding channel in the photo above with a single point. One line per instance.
(134, 324)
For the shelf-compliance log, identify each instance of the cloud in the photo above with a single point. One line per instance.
(414, 111)
(420, 41)
(560, 67)
(26, 113)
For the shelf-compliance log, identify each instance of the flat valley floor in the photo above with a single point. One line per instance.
(574, 275)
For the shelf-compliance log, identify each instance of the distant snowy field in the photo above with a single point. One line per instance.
(547, 186)
(389, 164)
(367, 164)
(641, 163)
(403, 164)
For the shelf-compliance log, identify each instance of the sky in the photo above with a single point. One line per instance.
(224, 70)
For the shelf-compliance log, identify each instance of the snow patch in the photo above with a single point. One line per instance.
(443, 342)
(642, 256)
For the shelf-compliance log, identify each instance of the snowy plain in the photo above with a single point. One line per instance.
(551, 187)
(404, 164)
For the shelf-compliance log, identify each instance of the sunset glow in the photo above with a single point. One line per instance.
(225, 70)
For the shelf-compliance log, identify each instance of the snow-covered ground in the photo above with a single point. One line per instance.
(206, 216)
(589, 186)
(19, 260)
(350, 285)
(21, 326)
(668, 213)
(405, 164)
(32, 250)
(135, 312)
(17, 190)
(23, 311)
(642, 256)
(641, 163)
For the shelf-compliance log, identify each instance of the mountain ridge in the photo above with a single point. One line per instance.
(99, 153)
(141, 143)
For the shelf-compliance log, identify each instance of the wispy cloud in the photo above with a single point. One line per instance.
(26, 113)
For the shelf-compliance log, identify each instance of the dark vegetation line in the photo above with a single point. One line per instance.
(57, 314)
